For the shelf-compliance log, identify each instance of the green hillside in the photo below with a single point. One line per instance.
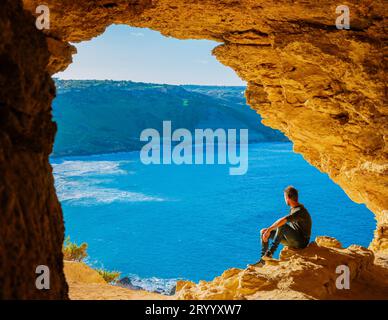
(108, 116)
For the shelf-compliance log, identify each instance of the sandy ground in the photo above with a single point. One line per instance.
(86, 284)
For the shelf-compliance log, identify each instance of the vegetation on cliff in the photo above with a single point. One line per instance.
(77, 253)
(96, 117)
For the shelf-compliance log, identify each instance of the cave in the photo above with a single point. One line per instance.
(323, 87)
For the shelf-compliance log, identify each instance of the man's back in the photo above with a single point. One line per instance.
(300, 220)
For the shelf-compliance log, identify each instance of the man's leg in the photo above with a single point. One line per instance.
(286, 236)
(277, 239)
(265, 245)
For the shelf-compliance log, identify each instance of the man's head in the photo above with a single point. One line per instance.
(291, 195)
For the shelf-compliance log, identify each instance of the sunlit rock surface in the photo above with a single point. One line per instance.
(300, 274)
(86, 283)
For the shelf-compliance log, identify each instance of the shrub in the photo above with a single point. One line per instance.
(74, 252)
(109, 276)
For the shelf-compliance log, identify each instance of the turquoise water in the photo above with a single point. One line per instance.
(160, 223)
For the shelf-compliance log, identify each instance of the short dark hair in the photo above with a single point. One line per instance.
(291, 193)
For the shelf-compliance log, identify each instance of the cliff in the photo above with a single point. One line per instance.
(114, 113)
(299, 274)
(305, 274)
(87, 284)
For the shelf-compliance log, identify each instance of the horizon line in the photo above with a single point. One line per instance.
(169, 84)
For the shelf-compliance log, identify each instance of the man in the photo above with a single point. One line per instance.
(293, 230)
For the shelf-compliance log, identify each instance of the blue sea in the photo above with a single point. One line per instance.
(160, 223)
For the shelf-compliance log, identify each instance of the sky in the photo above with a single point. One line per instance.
(143, 55)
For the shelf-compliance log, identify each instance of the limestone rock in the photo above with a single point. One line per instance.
(86, 283)
(80, 272)
(127, 283)
(308, 273)
(60, 55)
(328, 242)
(31, 223)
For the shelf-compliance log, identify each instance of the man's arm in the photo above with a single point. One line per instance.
(278, 223)
(275, 225)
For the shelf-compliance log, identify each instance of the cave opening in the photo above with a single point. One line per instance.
(297, 73)
(157, 224)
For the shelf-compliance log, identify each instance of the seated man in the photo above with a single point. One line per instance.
(293, 230)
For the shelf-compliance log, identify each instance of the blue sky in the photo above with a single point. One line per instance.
(125, 53)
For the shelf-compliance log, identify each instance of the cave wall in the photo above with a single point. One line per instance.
(31, 226)
(323, 87)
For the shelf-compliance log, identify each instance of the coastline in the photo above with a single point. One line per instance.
(86, 284)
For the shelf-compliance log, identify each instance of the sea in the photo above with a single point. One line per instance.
(160, 223)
